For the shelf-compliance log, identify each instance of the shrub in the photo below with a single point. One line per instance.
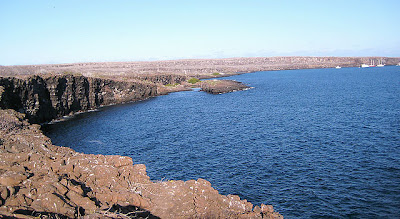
(172, 85)
(193, 80)
(216, 73)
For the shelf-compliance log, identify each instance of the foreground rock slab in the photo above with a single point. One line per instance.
(38, 178)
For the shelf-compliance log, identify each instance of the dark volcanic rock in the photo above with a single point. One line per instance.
(40, 179)
(222, 86)
(44, 99)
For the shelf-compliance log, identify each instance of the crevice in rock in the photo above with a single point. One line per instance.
(132, 211)
(83, 186)
(65, 199)
(38, 214)
(16, 189)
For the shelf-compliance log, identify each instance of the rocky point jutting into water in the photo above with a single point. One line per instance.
(38, 178)
(222, 86)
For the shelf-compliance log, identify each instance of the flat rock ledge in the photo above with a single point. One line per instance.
(39, 179)
(222, 86)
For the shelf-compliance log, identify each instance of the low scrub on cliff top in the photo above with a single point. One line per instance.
(193, 80)
(172, 85)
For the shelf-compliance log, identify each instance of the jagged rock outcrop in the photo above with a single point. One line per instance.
(222, 86)
(45, 98)
(38, 178)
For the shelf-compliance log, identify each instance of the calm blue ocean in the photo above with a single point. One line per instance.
(313, 143)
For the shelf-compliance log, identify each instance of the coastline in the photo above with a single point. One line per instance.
(38, 178)
(33, 169)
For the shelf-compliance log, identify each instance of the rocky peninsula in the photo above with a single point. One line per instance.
(222, 86)
(39, 179)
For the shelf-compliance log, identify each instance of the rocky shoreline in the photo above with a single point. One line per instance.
(43, 99)
(39, 179)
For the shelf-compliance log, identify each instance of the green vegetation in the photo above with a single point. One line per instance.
(216, 73)
(193, 80)
(172, 85)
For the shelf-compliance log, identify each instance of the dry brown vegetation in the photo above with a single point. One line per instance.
(199, 68)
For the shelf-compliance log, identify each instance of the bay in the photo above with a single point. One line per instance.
(313, 143)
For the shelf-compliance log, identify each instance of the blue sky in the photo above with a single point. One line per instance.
(55, 31)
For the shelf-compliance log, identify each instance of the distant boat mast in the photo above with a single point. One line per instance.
(372, 63)
(380, 63)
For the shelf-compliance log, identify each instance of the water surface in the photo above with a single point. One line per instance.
(313, 143)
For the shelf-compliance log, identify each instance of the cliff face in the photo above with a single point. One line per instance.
(40, 179)
(44, 99)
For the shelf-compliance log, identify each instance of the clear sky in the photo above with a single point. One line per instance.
(64, 31)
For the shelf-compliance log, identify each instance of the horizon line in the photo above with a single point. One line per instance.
(192, 59)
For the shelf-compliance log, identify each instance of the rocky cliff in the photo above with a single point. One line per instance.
(45, 98)
(38, 179)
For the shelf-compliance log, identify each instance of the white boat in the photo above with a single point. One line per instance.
(338, 67)
(380, 64)
(398, 64)
(364, 66)
(372, 63)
